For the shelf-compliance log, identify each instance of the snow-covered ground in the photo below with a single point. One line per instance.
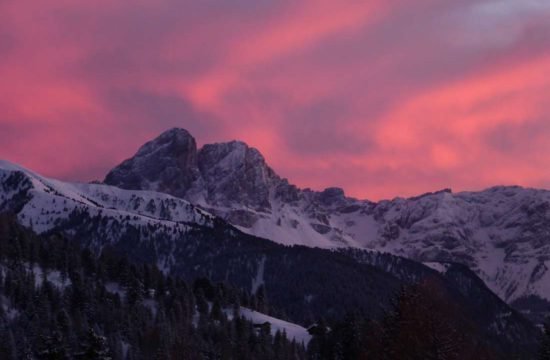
(439, 267)
(9, 310)
(52, 276)
(293, 331)
(53, 201)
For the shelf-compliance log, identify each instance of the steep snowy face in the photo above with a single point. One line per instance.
(502, 233)
(101, 213)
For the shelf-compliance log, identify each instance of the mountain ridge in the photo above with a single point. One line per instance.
(502, 233)
(183, 240)
(177, 130)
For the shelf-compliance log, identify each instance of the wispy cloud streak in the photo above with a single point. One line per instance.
(383, 98)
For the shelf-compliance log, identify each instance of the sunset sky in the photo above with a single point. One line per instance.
(384, 98)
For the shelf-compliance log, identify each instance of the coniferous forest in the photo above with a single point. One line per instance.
(63, 302)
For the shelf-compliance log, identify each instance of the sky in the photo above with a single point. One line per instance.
(383, 98)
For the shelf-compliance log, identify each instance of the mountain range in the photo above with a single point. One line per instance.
(502, 233)
(221, 212)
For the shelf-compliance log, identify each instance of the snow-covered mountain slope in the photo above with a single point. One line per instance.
(502, 233)
(44, 204)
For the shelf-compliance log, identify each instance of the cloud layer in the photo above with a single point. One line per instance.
(383, 98)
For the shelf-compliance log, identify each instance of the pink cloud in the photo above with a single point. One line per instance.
(383, 98)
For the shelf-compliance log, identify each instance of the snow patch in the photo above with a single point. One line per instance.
(116, 288)
(293, 331)
(259, 279)
(52, 276)
(10, 311)
(439, 267)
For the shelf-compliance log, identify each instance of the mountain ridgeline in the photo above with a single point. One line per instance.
(502, 234)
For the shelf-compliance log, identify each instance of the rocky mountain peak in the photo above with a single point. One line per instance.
(167, 163)
(331, 195)
(219, 174)
(231, 155)
(174, 142)
(236, 173)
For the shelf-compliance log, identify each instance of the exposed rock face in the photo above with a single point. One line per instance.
(167, 164)
(232, 180)
(235, 173)
(331, 196)
(502, 233)
(217, 176)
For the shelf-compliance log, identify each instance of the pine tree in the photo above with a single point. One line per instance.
(202, 304)
(134, 290)
(95, 348)
(53, 348)
(216, 313)
(544, 353)
(261, 296)
(8, 350)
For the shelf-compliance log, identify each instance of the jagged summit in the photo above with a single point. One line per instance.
(167, 163)
(214, 176)
(235, 172)
(175, 140)
(174, 133)
(332, 195)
